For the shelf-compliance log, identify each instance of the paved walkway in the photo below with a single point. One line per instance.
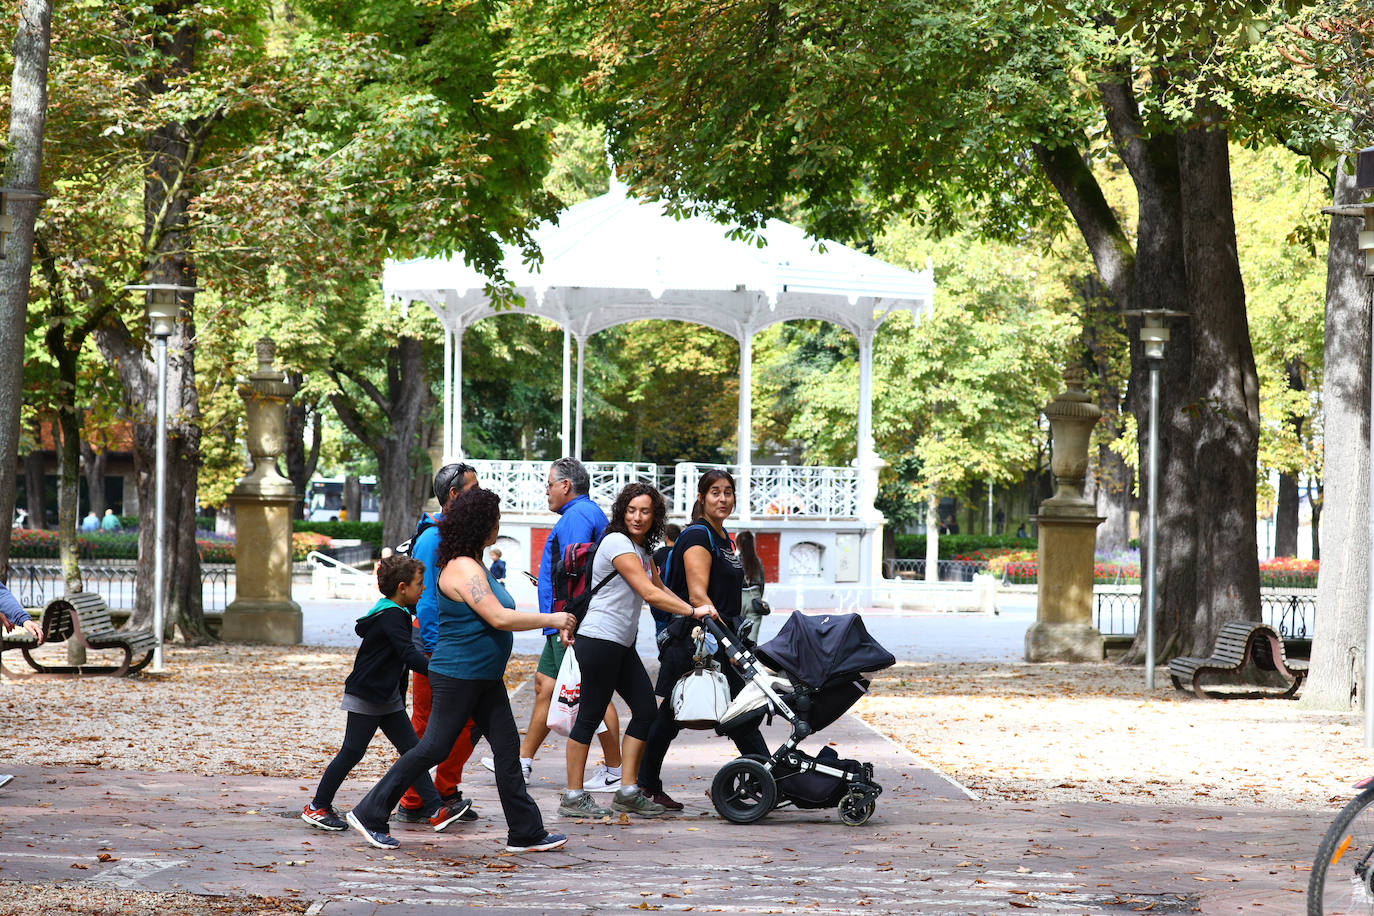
(930, 848)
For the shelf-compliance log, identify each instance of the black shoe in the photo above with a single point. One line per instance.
(455, 802)
(407, 816)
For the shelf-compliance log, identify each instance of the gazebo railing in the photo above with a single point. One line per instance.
(521, 484)
(776, 491)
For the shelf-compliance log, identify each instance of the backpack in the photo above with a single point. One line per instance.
(572, 572)
(404, 548)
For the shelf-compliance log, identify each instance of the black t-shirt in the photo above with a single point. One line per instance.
(727, 576)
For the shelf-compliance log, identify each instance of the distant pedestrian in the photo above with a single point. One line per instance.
(373, 697)
(91, 522)
(1021, 530)
(110, 522)
(498, 566)
(751, 598)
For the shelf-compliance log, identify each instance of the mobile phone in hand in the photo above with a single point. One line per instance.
(531, 576)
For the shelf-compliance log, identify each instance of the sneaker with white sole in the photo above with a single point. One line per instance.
(375, 837)
(550, 841)
(5, 779)
(446, 815)
(580, 805)
(601, 780)
(525, 768)
(636, 803)
(325, 818)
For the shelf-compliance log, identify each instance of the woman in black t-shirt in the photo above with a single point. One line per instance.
(703, 565)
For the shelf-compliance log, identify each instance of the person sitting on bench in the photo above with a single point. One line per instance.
(12, 614)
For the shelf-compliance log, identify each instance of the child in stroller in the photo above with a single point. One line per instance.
(821, 662)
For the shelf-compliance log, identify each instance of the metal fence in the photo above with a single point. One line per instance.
(1291, 612)
(36, 584)
(945, 570)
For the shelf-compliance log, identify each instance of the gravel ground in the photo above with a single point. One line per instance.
(1051, 732)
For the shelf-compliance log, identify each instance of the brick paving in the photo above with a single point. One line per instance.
(930, 848)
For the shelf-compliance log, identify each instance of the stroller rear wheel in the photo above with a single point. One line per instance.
(856, 808)
(744, 791)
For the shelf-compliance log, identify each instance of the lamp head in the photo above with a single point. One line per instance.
(163, 303)
(1154, 329)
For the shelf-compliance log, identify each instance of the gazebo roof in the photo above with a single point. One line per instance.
(615, 259)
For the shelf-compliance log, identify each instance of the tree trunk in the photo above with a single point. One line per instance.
(1286, 512)
(35, 492)
(1339, 643)
(1286, 517)
(181, 561)
(1225, 396)
(23, 167)
(1314, 499)
(93, 462)
(400, 437)
(301, 460)
(68, 475)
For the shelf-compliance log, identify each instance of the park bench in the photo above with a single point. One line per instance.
(1239, 643)
(84, 617)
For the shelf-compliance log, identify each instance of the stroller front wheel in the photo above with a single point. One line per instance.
(744, 791)
(856, 808)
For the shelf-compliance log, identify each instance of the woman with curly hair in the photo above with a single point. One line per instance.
(624, 577)
(476, 618)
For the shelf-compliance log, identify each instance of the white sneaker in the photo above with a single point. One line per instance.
(601, 780)
(5, 779)
(525, 768)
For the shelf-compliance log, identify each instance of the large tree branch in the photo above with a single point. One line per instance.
(1110, 247)
(349, 415)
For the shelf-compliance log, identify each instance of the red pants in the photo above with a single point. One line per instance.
(448, 774)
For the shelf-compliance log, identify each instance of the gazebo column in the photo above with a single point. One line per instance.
(455, 416)
(567, 392)
(581, 366)
(868, 462)
(448, 395)
(746, 424)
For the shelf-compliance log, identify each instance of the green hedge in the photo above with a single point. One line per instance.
(367, 532)
(913, 546)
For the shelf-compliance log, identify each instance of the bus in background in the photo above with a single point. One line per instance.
(324, 501)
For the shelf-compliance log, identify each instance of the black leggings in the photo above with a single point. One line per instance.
(608, 667)
(357, 736)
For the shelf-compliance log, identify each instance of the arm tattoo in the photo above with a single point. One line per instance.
(477, 589)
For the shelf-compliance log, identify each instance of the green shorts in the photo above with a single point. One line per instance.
(551, 659)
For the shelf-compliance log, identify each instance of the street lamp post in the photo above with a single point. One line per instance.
(1154, 334)
(163, 304)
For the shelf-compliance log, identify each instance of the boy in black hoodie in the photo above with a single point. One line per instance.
(374, 694)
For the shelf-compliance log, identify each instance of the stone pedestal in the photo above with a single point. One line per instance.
(262, 610)
(1067, 523)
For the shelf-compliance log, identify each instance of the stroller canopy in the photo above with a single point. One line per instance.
(819, 649)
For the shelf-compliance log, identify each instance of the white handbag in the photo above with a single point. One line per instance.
(700, 697)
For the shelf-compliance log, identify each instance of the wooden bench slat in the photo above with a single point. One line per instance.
(83, 616)
(1236, 643)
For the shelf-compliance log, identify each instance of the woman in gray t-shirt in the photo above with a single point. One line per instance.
(605, 647)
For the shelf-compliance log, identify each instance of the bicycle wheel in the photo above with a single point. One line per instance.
(1344, 867)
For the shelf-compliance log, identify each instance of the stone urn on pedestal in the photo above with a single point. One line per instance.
(1067, 523)
(262, 610)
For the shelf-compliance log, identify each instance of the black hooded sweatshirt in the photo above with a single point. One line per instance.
(379, 670)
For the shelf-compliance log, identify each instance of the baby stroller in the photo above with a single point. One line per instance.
(821, 662)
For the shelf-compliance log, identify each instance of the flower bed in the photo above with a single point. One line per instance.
(1022, 568)
(42, 545)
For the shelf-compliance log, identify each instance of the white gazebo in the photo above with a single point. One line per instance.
(616, 259)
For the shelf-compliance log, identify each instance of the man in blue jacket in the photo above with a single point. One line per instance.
(450, 480)
(581, 521)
